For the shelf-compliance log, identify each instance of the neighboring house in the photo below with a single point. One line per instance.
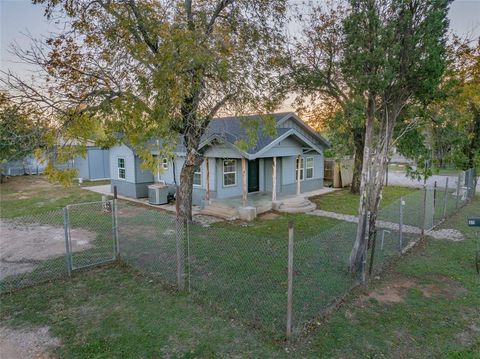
(27, 166)
(296, 147)
(95, 165)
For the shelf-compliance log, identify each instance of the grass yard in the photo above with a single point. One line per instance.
(115, 313)
(343, 201)
(426, 306)
(27, 195)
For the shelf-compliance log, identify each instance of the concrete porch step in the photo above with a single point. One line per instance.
(297, 205)
(220, 210)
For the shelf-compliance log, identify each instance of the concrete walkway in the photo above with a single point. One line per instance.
(105, 190)
(450, 234)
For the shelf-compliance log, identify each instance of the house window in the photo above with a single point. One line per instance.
(165, 163)
(301, 168)
(197, 177)
(309, 167)
(229, 173)
(121, 168)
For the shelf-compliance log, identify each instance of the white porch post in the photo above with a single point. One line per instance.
(244, 182)
(274, 179)
(299, 163)
(207, 185)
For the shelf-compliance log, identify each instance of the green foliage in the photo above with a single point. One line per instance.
(161, 70)
(20, 131)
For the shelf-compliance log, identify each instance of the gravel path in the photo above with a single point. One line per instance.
(450, 234)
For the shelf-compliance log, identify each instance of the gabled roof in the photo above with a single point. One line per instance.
(231, 130)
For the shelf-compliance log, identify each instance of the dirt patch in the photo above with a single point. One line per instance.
(24, 246)
(269, 215)
(393, 292)
(26, 343)
(443, 288)
(396, 289)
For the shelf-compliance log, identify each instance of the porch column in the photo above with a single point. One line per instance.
(274, 179)
(299, 163)
(207, 185)
(244, 182)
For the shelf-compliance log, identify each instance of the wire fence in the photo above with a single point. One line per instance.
(260, 279)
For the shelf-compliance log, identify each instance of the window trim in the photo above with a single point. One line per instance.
(165, 163)
(224, 173)
(121, 168)
(201, 179)
(161, 169)
(307, 168)
(302, 168)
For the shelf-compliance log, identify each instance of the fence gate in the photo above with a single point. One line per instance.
(90, 234)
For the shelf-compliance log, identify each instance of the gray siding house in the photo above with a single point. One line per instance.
(95, 165)
(296, 152)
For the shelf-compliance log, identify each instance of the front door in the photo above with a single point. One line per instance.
(253, 176)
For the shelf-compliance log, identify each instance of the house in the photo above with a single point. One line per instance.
(29, 165)
(289, 163)
(95, 165)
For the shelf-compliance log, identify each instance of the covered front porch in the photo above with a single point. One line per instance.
(261, 202)
(256, 196)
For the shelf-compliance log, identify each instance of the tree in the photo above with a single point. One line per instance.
(457, 115)
(316, 70)
(142, 69)
(394, 57)
(21, 131)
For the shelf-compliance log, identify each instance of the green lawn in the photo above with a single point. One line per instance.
(437, 313)
(115, 313)
(238, 271)
(27, 195)
(342, 201)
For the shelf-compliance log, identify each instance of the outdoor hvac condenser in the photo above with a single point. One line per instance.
(158, 193)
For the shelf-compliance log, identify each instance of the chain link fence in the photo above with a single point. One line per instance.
(50, 245)
(269, 285)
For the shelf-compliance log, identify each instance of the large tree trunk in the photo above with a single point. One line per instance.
(373, 175)
(359, 247)
(359, 143)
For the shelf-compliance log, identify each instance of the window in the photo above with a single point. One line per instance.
(121, 168)
(309, 167)
(197, 177)
(301, 169)
(165, 163)
(229, 173)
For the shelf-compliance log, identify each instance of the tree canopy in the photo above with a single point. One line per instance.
(143, 69)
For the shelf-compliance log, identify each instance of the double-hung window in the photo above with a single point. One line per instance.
(229, 173)
(121, 168)
(301, 168)
(309, 167)
(197, 176)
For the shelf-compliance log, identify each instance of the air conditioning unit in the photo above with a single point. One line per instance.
(158, 193)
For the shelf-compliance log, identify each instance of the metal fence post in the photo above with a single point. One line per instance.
(115, 222)
(458, 189)
(424, 209)
(290, 280)
(445, 199)
(434, 202)
(400, 224)
(179, 239)
(66, 226)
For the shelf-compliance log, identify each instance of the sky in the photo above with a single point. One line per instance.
(19, 17)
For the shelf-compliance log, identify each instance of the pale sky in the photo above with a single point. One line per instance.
(20, 16)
